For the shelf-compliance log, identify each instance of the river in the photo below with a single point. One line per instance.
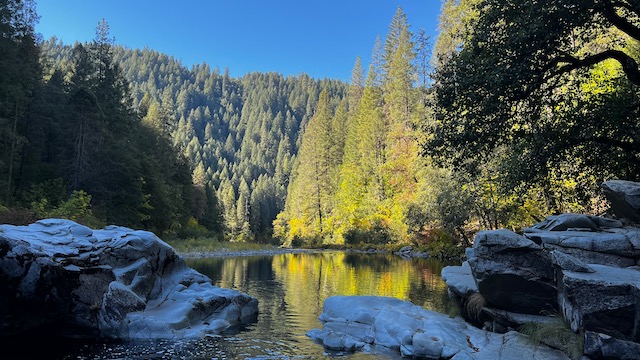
(291, 289)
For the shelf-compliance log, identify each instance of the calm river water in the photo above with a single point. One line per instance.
(290, 289)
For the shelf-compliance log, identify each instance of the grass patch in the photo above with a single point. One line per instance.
(474, 304)
(208, 244)
(557, 334)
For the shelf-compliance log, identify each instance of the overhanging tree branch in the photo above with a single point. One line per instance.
(610, 13)
(629, 64)
(627, 6)
(565, 63)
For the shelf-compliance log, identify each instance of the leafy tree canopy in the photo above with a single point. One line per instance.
(542, 84)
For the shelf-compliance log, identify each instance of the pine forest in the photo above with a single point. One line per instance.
(501, 120)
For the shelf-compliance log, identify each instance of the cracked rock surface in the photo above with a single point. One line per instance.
(353, 323)
(112, 283)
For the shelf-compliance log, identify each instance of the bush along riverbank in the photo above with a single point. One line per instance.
(566, 288)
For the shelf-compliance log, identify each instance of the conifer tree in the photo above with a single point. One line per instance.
(311, 186)
(356, 85)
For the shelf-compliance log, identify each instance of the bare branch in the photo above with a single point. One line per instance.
(610, 13)
(635, 9)
(629, 64)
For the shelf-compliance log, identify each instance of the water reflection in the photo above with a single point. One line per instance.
(291, 289)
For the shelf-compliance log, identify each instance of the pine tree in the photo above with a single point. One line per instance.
(20, 76)
(243, 212)
(312, 186)
(397, 26)
(357, 84)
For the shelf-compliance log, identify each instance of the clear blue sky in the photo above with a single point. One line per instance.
(320, 38)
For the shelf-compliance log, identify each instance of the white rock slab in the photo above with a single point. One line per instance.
(363, 322)
(113, 283)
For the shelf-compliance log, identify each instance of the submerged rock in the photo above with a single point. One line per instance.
(112, 283)
(365, 322)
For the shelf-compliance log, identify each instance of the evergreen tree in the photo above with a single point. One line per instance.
(357, 84)
(312, 185)
(20, 76)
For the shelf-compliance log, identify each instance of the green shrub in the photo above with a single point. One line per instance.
(192, 229)
(76, 208)
(15, 216)
(378, 235)
(440, 244)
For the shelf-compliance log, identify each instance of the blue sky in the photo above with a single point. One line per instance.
(320, 38)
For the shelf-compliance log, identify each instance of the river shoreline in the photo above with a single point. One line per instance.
(232, 253)
(223, 252)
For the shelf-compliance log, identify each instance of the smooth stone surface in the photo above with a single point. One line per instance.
(111, 283)
(564, 222)
(460, 279)
(624, 197)
(416, 332)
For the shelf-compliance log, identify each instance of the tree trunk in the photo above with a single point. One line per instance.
(11, 154)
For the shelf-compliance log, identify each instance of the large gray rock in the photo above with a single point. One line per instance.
(512, 272)
(606, 300)
(584, 267)
(367, 322)
(616, 246)
(460, 280)
(570, 263)
(511, 320)
(576, 222)
(624, 197)
(603, 347)
(112, 283)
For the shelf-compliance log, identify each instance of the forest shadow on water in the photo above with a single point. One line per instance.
(291, 289)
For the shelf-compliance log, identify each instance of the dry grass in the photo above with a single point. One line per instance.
(557, 334)
(204, 244)
(474, 304)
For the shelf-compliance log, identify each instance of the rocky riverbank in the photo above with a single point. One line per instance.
(406, 252)
(63, 278)
(566, 288)
(232, 253)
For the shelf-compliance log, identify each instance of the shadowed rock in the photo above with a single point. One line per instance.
(624, 197)
(111, 283)
(512, 272)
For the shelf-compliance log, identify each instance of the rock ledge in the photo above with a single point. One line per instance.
(113, 283)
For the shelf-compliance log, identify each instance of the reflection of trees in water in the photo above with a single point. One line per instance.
(377, 262)
(291, 288)
(427, 288)
(255, 276)
(212, 267)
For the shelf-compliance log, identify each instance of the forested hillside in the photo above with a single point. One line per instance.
(240, 135)
(73, 144)
(367, 182)
(520, 113)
